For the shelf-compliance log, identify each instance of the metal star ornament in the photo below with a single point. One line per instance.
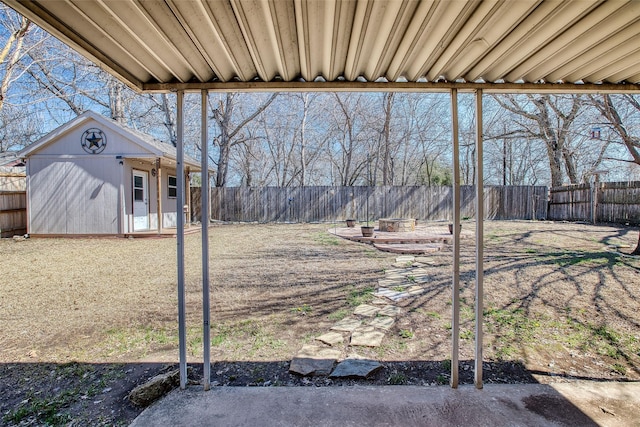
(93, 141)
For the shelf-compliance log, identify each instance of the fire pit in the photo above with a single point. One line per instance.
(397, 225)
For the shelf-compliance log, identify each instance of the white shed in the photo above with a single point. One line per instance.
(94, 176)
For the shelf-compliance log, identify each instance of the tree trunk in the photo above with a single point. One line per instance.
(637, 249)
(570, 167)
(555, 164)
(387, 178)
(16, 39)
(303, 139)
(223, 165)
(169, 119)
(116, 102)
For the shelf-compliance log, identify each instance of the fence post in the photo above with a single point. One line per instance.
(594, 199)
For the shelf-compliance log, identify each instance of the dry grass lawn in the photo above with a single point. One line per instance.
(115, 300)
(559, 302)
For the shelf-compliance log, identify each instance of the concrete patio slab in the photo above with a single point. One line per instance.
(576, 403)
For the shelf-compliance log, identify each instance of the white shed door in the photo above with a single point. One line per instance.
(140, 200)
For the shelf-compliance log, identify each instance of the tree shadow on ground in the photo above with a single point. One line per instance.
(575, 303)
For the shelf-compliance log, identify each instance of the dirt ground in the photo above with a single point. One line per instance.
(85, 320)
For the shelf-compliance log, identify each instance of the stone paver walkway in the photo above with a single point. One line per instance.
(366, 327)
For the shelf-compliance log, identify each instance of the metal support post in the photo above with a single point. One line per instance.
(479, 240)
(455, 285)
(204, 209)
(182, 327)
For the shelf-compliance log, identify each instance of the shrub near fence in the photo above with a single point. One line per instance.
(13, 213)
(327, 204)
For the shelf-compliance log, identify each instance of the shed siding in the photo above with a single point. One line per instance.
(47, 204)
(78, 196)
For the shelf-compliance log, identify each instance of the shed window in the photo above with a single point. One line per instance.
(138, 189)
(172, 187)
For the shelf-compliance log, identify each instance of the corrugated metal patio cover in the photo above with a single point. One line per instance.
(150, 43)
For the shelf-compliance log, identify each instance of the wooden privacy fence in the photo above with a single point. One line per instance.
(12, 179)
(612, 202)
(13, 213)
(327, 204)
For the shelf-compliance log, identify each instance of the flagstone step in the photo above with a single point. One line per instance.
(355, 368)
(314, 360)
(331, 338)
(366, 336)
(408, 248)
(346, 325)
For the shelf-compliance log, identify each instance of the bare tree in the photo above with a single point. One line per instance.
(422, 139)
(15, 129)
(281, 147)
(610, 108)
(308, 151)
(231, 121)
(548, 118)
(65, 80)
(12, 52)
(387, 171)
(512, 156)
(352, 127)
(164, 106)
(467, 134)
(251, 161)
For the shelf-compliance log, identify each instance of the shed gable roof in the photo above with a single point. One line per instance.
(147, 143)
